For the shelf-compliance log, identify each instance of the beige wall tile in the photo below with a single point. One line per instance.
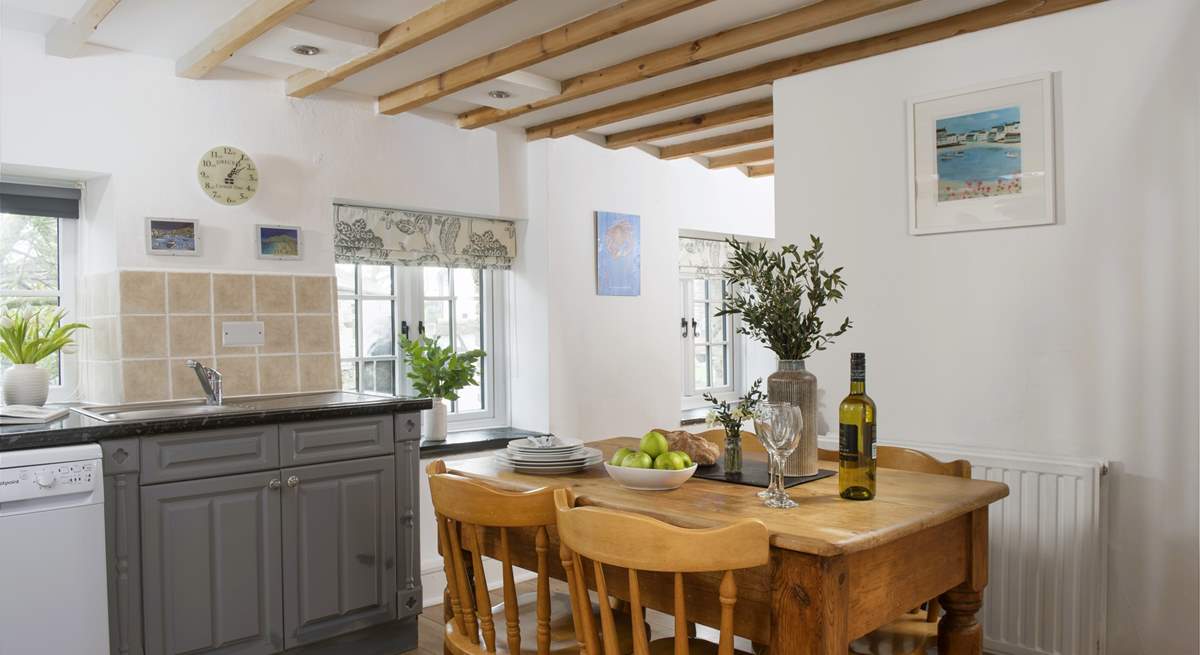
(190, 336)
(143, 292)
(188, 293)
(314, 295)
(277, 374)
(229, 350)
(318, 372)
(315, 333)
(239, 375)
(144, 380)
(233, 294)
(143, 336)
(279, 334)
(273, 294)
(184, 383)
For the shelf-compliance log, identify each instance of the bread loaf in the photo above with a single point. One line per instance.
(701, 450)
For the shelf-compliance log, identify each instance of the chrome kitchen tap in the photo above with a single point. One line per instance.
(210, 381)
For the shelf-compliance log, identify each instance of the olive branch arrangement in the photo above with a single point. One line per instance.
(731, 417)
(780, 294)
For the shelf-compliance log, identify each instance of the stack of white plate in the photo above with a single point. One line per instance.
(548, 455)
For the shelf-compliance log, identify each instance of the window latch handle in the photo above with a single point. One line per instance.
(683, 327)
(421, 328)
(695, 332)
(404, 328)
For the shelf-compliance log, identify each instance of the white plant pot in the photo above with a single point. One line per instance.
(26, 384)
(434, 421)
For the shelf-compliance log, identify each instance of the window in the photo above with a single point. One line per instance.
(708, 353)
(37, 268)
(459, 306)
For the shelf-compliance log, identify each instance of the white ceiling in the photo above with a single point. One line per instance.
(170, 28)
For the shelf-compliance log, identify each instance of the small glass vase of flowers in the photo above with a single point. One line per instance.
(731, 417)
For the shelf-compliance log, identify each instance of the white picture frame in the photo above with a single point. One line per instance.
(172, 237)
(292, 234)
(970, 169)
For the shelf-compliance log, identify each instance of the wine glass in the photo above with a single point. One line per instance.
(777, 426)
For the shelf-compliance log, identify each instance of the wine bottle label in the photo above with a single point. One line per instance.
(869, 439)
(848, 441)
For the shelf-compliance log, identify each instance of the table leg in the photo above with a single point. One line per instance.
(958, 631)
(809, 604)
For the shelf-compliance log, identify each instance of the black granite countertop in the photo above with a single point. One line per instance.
(472, 441)
(75, 428)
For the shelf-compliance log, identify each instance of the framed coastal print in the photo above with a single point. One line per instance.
(982, 158)
(277, 241)
(172, 236)
(618, 254)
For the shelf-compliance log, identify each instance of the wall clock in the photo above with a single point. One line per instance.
(227, 175)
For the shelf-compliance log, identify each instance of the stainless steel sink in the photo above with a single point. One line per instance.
(152, 411)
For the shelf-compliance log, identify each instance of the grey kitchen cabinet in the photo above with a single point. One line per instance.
(339, 548)
(122, 541)
(210, 566)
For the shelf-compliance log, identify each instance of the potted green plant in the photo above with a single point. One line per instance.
(28, 337)
(439, 373)
(779, 295)
(731, 418)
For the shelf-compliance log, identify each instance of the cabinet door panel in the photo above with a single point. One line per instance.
(210, 554)
(339, 548)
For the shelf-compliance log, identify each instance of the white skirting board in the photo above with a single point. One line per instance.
(433, 580)
(1047, 550)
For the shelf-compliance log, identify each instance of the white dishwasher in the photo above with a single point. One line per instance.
(53, 588)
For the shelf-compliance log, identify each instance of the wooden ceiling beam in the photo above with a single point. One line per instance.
(68, 36)
(1001, 13)
(753, 156)
(820, 15)
(720, 142)
(760, 170)
(727, 116)
(601, 25)
(425, 26)
(249, 24)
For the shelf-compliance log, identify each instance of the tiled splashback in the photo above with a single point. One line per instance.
(147, 324)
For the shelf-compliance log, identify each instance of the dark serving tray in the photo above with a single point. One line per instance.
(754, 474)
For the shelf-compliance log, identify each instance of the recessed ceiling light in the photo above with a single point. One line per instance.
(306, 50)
(499, 94)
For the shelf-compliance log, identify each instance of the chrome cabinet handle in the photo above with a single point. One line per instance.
(293, 481)
(274, 484)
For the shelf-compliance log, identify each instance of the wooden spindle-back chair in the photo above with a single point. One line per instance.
(467, 513)
(641, 544)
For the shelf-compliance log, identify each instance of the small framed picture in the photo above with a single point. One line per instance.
(179, 237)
(277, 241)
(982, 158)
(618, 254)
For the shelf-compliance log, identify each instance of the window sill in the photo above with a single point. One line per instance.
(473, 441)
(696, 416)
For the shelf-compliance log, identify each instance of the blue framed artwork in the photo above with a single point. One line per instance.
(618, 254)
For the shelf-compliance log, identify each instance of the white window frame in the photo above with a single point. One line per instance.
(68, 235)
(693, 397)
(408, 306)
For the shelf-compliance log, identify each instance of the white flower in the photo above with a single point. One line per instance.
(28, 313)
(70, 349)
(738, 414)
(6, 321)
(711, 418)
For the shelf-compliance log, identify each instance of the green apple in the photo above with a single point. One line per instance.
(654, 444)
(619, 456)
(637, 461)
(687, 460)
(669, 461)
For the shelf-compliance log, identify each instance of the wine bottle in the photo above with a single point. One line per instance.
(856, 442)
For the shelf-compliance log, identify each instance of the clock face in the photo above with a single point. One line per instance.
(227, 175)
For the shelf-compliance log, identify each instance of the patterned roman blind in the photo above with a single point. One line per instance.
(373, 235)
(702, 257)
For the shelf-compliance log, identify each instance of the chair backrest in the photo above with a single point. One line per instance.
(639, 543)
(465, 510)
(907, 459)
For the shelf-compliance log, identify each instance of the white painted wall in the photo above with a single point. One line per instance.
(1078, 339)
(614, 362)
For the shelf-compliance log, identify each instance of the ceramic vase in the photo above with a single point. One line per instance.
(435, 420)
(26, 384)
(793, 383)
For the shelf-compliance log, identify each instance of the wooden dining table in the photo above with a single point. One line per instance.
(839, 568)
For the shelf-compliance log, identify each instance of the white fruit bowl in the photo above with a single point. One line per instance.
(649, 479)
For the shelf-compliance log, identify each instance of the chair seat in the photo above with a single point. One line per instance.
(910, 634)
(562, 628)
(666, 646)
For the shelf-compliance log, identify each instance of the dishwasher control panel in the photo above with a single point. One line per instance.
(46, 480)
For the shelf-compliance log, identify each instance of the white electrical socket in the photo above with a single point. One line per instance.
(241, 333)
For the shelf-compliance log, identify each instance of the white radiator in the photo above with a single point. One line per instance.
(1047, 570)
